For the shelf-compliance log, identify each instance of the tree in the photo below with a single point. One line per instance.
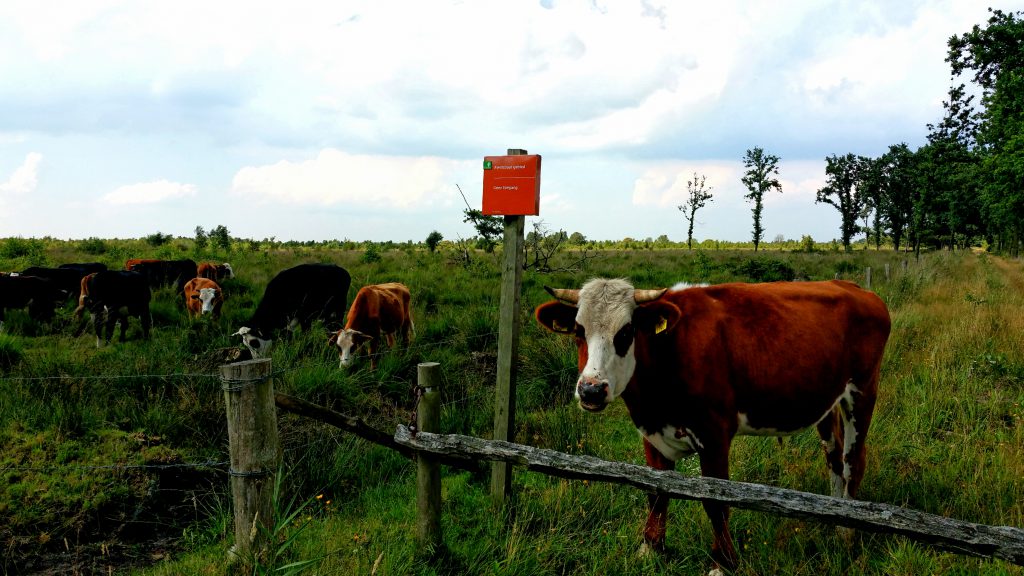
(201, 239)
(995, 53)
(490, 228)
(842, 173)
(872, 190)
(759, 178)
(696, 197)
(158, 239)
(433, 239)
(221, 238)
(577, 238)
(898, 167)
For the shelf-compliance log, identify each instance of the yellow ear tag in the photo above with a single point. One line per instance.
(558, 326)
(661, 326)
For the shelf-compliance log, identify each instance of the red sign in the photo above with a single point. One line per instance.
(512, 185)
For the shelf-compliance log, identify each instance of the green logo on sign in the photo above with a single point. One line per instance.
(488, 164)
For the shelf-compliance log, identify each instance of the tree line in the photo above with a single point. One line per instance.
(964, 187)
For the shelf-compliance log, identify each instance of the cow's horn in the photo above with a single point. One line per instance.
(566, 295)
(642, 296)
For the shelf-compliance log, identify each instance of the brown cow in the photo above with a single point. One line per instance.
(215, 272)
(203, 296)
(83, 295)
(377, 310)
(698, 365)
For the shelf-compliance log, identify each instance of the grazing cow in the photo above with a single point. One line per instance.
(64, 279)
(377, 310)
(85, 267)
(215, 272)
(113, 296)
(698, 365)
(203, 296)
(38, 294)
(296, 297)
(161, 273)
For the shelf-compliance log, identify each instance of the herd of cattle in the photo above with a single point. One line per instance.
(294, 297)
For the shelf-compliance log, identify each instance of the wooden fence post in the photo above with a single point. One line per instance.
(508, 346)
(255, 452)
(428, 470)
(886, 271)
(867, 277)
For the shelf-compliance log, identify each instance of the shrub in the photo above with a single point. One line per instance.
(93, 245)
(371, 255)
(433, 239)
(30, 248)
(765, 270)
(10, 352)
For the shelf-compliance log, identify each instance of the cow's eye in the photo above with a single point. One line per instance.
(623, 340)
(580, 332)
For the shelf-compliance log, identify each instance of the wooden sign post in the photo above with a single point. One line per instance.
(512, 189)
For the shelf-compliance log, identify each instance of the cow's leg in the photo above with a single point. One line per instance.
(146, 320)
(831, 431)
(657, 504)
(714, 463)
(856, 421)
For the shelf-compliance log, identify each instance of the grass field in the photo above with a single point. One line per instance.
(947, 438)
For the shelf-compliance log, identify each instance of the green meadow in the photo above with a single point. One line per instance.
(111, 459)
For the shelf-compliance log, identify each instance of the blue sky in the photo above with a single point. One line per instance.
(350, 119)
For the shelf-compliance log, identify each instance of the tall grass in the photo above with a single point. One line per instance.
(946, 437)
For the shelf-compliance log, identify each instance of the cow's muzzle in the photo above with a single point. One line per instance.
(593, 397)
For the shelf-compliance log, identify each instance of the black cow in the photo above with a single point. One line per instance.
(63, 279)
(160, 273)
(114, 295)
(296, 297)
(38, 294)
(85, 268)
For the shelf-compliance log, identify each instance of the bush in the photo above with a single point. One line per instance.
(10, 352)
(765, 270)
(371, 255)
(93, 245)
(31, 248)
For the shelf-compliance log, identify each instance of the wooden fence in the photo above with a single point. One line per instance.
(254, 459)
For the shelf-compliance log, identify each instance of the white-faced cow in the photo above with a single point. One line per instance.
(215, 272)
(296, 297)
(698, 365)
(203, 296)
(112, 296)
(378, 310)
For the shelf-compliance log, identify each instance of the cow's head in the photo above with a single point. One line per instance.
(348, 342)
(228, 272)
(206, 296)
(254, 339)
(605, 316)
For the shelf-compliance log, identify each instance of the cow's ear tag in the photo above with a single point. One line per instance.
(661, 326)
(558, 326)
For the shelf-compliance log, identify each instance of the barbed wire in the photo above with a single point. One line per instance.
(115, 467)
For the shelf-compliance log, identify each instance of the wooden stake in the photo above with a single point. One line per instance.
(428, 470)
(508, 346)
(255, 452)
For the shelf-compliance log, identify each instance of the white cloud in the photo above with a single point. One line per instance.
(336, 177)
(149, 193)
(25, 178)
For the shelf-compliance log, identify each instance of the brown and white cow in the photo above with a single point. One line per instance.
(378, 310)
(215, 272)
(698, 365)
(203, 296)
(83, 294)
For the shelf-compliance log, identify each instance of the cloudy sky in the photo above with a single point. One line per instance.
(349, 119)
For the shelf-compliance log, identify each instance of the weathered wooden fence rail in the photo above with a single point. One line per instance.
(1004, 542)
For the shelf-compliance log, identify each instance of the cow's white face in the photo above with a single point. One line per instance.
(604, 326)
(348, 342)
(207, 297)
(605, 316)
(254, 341)
(230, 271)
